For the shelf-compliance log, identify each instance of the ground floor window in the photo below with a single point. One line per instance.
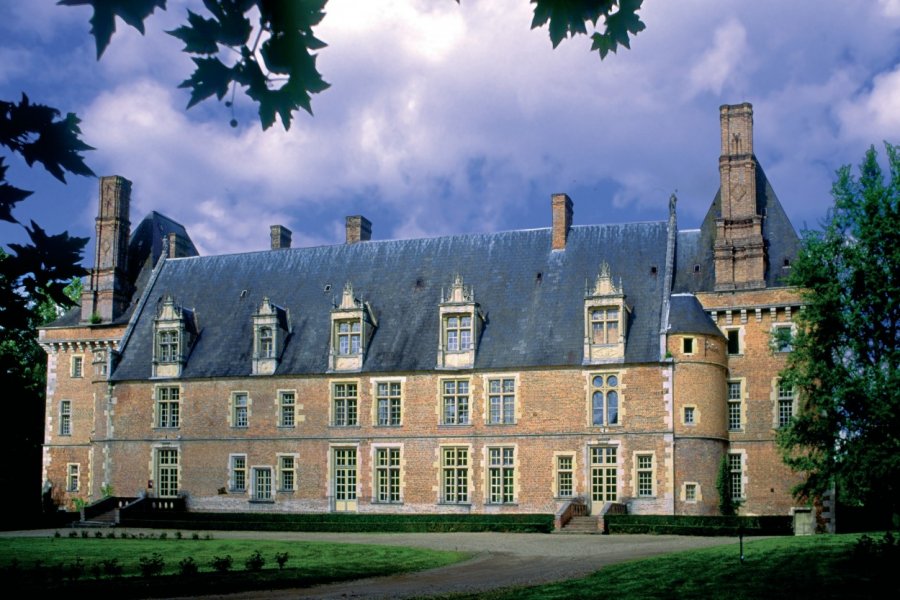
(344, 479)
(287, 473)
(73, 477)
(644, 475)
(239, 473)
(736, 474)
(455, 475)
(565, 487)
(501, 475)
(262, 483)
(603, 473)
(387, 474)
(167, 471)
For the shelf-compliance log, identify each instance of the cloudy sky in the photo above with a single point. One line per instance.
(445, 118)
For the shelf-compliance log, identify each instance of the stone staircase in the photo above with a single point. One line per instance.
(107, 519)
(583, 525)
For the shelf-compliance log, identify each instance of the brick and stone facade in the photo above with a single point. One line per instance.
(507, 372)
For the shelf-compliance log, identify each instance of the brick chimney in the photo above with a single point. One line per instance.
(359, 229)
(281, 237)
(562, 219)
(108, 292)
(739, 250)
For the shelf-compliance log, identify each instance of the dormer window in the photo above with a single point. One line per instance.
(352, 326)
(168, 346)
(606, 320)
(605, 325)
(347, 334)
(459, 329)
(174, 330)
(458, 332)
(271, 327)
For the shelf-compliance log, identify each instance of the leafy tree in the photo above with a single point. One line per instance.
(727, 506)
(275, 61)
(33, 280)
(847, 348)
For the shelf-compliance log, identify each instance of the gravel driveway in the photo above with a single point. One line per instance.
(501, 560)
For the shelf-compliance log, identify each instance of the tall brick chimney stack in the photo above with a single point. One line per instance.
(562, 219)
(107, 294)
(740, 252)
(359, 229)
(281, 237)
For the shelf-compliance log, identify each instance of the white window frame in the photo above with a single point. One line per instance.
(348, 337)
(456, 479)
(456, 398)
(73, 477)
(736, 475)
(565, 475)
(501, 475)
(388, 477)
(606, 320)
(604, 473)
(644, 475)
(734, 405)
(344, 404)
(262, 484)
(784, 396)
(65, 417)
(240, 412)
(501, 392)
(287, 472)
(388, 403)
(287, 409)
(77, 366)
(610, 394)
(168, 406)
(237, 468)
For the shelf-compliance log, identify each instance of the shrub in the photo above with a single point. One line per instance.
(178, 535)
(281, 558)
(84, 534)
(255, 562)
(152, 565)
(73, 534)
(195, 536)
(75, 570)
(222, 564)
(111, 535)
(57, 534)
(98, 534)
(111, 567)
(188, 567)
(163, 536)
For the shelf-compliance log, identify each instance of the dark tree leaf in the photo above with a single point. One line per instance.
(103, 22)
(200, 36)
(210, 77)
(568, 17)
(48, 264)
(32, 131)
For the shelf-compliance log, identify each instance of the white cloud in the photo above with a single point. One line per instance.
(722, 61)
(875, 114)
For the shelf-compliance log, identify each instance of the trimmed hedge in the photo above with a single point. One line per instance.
(339, 522)
(710, 526)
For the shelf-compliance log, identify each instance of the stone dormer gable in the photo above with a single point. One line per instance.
(174, 332)
(605, 319)
(352, 326)
(460, 326)
(271, 328)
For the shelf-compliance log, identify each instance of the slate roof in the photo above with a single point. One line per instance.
(686, 315)
(532, 299)
(695, 247)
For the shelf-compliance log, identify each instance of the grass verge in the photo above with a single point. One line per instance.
(79, 566)
(821, 567)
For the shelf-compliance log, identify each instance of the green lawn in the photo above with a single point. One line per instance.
(31, 564)
(822, 566)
